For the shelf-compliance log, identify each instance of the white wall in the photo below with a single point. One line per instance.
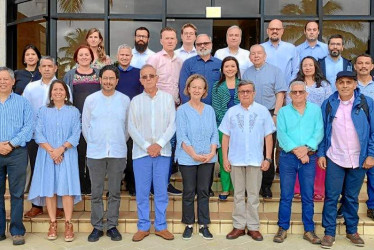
(2, 32)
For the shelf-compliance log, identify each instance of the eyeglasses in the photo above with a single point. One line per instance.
(189, 33)
(297, 92)
(246, 92)
(275, 29)
(108, 78)
(201, 44)
(141, 37)
(150, 76)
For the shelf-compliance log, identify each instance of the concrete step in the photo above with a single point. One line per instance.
(221, 223)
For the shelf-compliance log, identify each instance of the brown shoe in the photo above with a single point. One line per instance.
(256, 235)
(52, 231)
(235, 233)
(165, 234)
(59, 213)
(356, 239)
(280, 236)
(34, 211)
(312, 237)
(327, 241)
(69, 232)
(140, 235)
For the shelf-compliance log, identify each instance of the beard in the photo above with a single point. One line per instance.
(335, 53)
(141, 47)
(204, 52)
(274, 39)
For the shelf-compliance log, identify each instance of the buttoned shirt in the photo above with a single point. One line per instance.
(138, 59)
(210, 69)
(151, 120)
(295, 129)
(269, 81)
(345, 145)
(319, 51)
(283, 56)
(104, 125)
(184, 54)
(247, 128)
(16, 120)
(242, 55)
(332, 69)
(168, 70)
(367, 89)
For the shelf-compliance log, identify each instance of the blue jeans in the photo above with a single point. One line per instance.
(289, 166)
(14, 164)
(146, 170)
(338, 180)
(370, 188)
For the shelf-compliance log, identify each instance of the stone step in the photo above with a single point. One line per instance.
(128, 204)
(221, 223)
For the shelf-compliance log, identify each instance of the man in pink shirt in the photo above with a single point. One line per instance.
(346, 152)
(168, 67)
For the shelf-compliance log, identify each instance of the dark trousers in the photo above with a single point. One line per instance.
(14, 164)
(196, 179)
(129, 171)
(338, 180)
(84, 174)
(32, 149)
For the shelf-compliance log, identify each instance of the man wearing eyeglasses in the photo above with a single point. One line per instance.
(279, 53)
(188, 36)
(151, 126)
(204, 64)
(104, 126)
(299, 131)
(141, 52)
(233, 40)
(246, 127)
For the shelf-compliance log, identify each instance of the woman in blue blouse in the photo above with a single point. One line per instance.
(197, 141)
(55, 182)
(319, 89)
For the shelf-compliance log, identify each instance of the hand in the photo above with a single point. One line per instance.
(199, 158)
(322, 163)
(56, 153)
(59, 160)
(154, 150)
(209, 157)
(304, 159)
(227, 165)
(300, 151)
(368, 163)
(5, 148)
(265, 165)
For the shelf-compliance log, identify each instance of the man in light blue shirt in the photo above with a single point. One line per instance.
(188, 36)
(104, 126)
(141, 52)
(281, 54)
(311, 46)
(299, 131)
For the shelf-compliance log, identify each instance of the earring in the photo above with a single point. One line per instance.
(51, 98)
(66, 98)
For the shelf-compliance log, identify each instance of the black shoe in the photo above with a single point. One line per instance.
(204, 232)
(173, 191)
(211, 193)
(114, 234)
(187, 234)
(107, 194)
(132, 192)
(370, 213)
(339, 214)
(95, 235)
(2, 237)
(266, 193)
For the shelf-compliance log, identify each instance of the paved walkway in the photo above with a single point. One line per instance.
(293, 242)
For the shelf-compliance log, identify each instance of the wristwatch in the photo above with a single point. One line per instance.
(10, 144)
(269, 160)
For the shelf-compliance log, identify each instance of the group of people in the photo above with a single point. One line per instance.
(146, 112)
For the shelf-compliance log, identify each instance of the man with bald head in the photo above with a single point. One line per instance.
(280, 53)
(270, 89)
(204, 64)
(233, 40)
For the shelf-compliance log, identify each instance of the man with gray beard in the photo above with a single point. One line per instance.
(204, 64)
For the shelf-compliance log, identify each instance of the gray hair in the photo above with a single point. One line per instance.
(297, 83)
(147, 66)
(11, 72)
(47, 58)
(258, 45)
(247, 82)
(210, 38)
(234, 27)
(124, 46)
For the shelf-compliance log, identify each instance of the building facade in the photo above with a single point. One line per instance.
(57, 27)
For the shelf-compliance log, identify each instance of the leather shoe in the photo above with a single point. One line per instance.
(59, 213)
(140, 235)
(256, 235)
(235, 233)
(266, 193)
(165, 234)
(33, 212)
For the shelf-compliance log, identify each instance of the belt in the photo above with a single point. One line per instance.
(311, 152)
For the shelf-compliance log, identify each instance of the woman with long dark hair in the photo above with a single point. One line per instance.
(224, 96)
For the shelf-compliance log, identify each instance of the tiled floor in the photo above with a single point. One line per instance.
(295, 242)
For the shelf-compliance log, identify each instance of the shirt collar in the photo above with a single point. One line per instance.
(164, 53)
(129, 68)
(198, 57)
(246, 109)
(192, 51)
(360, 83)
(134, 51)
(147, 95)
(331, 60)
(271, 44)
(42, 83)
(350, 101)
